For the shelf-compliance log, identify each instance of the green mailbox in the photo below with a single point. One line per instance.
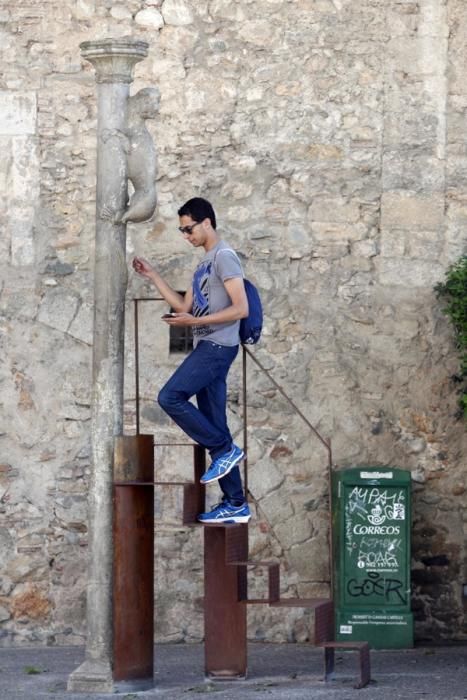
(371, 538)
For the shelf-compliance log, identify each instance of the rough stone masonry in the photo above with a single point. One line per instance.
(331, 136)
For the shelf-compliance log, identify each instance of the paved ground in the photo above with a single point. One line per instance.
(276, 672)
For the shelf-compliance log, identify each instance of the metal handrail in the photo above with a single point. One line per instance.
(246, 351)
(326, 443)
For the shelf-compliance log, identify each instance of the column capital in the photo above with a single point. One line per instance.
(114, 59)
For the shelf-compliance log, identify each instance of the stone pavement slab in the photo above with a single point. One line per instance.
(276, 672)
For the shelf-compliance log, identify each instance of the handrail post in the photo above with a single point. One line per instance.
(136, 365)
(245, 423)
(136, 341)
(331, 539)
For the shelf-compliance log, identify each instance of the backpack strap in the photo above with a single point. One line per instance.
(215, 259)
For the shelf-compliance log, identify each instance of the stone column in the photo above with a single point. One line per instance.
(113, 60)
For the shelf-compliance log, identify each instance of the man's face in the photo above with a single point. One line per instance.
(193, 231)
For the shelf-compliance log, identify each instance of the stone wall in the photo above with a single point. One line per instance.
(331, 137)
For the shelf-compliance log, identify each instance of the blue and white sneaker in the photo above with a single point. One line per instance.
(225, 512)
(223, 465)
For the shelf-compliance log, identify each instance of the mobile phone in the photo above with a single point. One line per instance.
(171, 315)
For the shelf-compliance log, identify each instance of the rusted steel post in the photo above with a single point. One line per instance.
(224, 615)
(133, 593)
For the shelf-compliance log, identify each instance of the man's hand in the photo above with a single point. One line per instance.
(143, 267)
(182, 319)
(175, 300)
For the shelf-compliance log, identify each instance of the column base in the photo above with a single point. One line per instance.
(92, 677)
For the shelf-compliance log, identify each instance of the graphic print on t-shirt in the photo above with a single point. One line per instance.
(201, 296)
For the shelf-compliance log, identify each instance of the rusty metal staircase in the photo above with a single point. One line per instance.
(226, 559)
(226, 565)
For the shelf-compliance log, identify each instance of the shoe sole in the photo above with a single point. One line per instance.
(233, 519)
(221, 476)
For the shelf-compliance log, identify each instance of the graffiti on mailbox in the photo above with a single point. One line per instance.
(374, 518)
(378, 552)
(389, 589)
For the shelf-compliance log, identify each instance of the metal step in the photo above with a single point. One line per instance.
(273, 582)
(301, 603)
(133, 483)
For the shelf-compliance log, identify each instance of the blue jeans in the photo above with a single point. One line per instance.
(203, 374)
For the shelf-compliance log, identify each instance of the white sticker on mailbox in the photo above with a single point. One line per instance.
(345, 629)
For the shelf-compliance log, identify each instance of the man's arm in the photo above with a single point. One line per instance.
(237, 310)
(239, 307)
(181, 304)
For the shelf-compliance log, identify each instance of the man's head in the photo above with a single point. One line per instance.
(198, 222)
(198, 209)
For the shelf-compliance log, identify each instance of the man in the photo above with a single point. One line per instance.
(213, 307)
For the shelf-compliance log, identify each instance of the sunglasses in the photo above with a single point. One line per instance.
(187, 230)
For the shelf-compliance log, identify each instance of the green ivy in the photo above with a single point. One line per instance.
(453, 292)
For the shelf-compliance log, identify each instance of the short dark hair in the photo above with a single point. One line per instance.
(199, 209)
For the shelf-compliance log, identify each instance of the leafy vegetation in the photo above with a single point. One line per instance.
(453, 291)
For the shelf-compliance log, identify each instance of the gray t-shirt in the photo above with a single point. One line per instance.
(210, 295)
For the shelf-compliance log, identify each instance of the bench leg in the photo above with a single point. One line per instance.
(365, 672)
(328, 663)
(363, 659)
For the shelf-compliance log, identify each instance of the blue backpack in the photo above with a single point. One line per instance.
(252, 325)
